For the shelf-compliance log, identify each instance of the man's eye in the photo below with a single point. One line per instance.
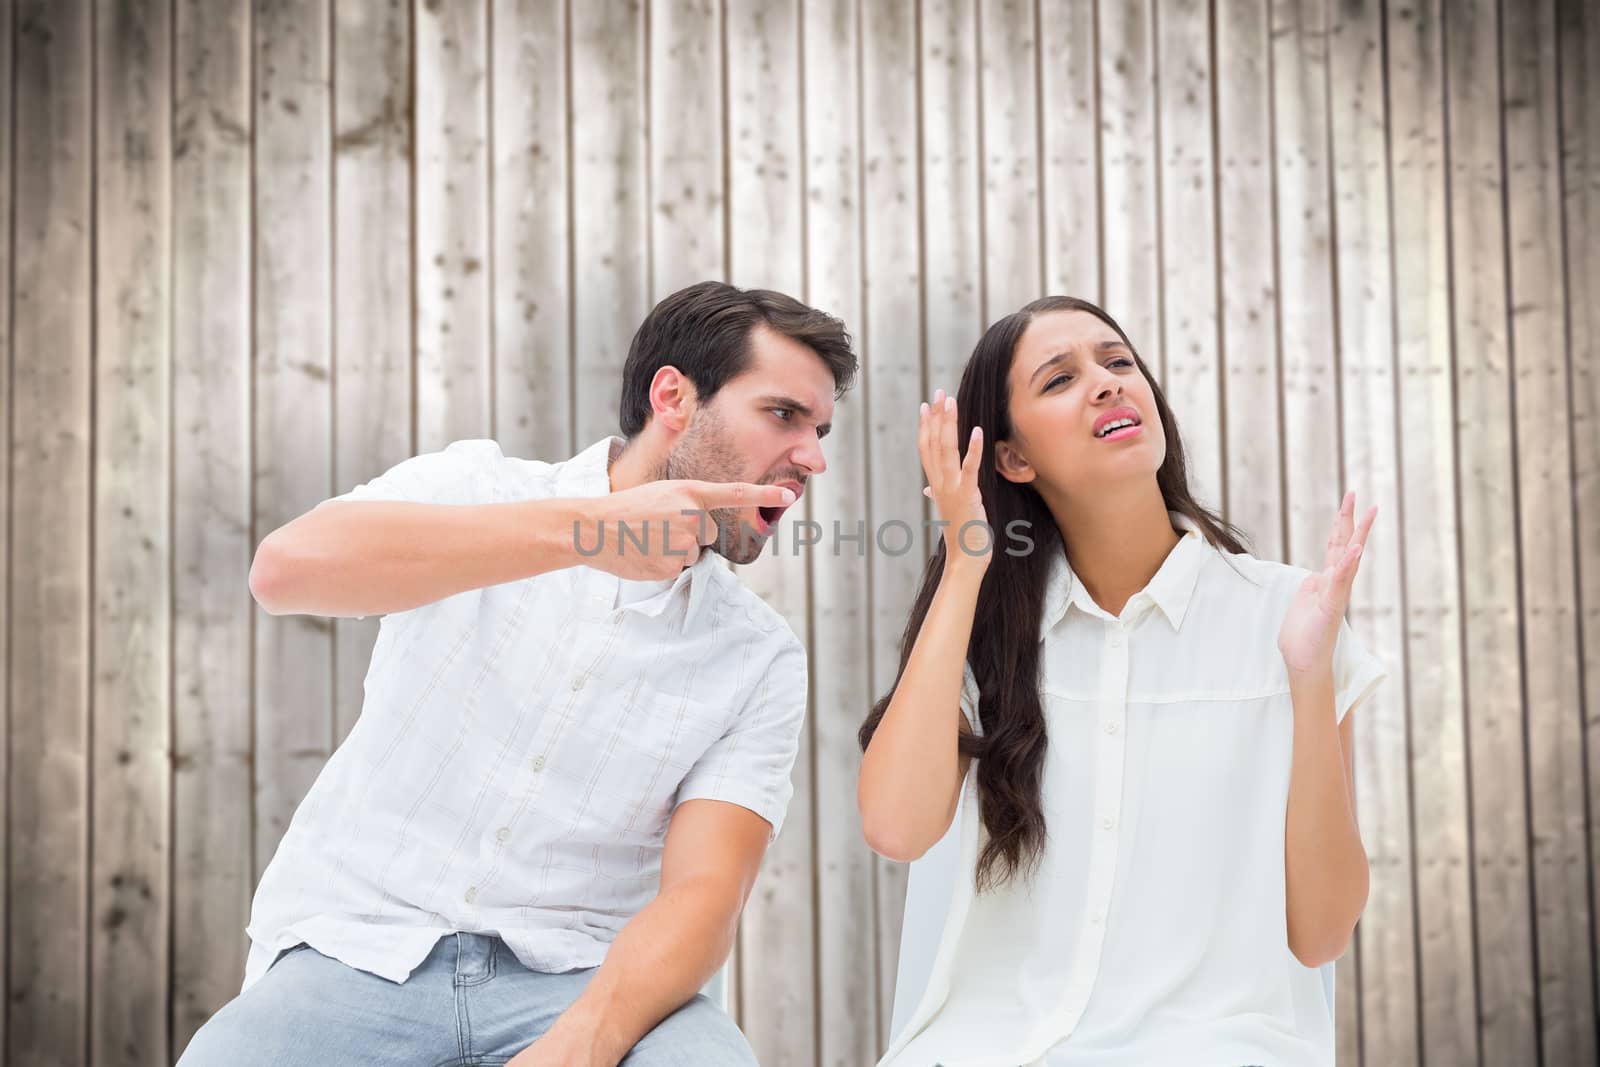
(783, 413)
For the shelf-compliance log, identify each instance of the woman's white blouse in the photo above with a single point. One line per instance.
(1154, 932)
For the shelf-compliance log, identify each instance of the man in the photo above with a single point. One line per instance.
(578, 728)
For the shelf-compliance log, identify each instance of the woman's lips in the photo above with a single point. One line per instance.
(1123, 434)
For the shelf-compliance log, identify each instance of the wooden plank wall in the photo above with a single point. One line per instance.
(258, 252)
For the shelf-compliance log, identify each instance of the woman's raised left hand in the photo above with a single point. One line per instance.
(1310, 629)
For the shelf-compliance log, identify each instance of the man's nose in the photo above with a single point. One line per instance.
(809, 457)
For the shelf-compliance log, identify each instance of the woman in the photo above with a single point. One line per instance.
(1159, 838)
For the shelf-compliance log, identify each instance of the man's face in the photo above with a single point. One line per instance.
(765, 426)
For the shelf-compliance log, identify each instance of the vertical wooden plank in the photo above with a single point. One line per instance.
(50, 514)
(453, 241)
(1189, 238)
(1578, 39)
(1548, 578)
(610, 229)
(778, 974)
(849, 964)
(1009, 65)
(1247, 240)
(1070, 145)
(372, 280)
(7, 50)
(952, 199)
(1128, 174)
(685, 141)
(532, 290)
(1307, 324)
(1428, 537)
(1306, 311)
(1387, 934)
(213, 868)
(1486, 487)
(891, 348)
(130, 694)
(294, 724)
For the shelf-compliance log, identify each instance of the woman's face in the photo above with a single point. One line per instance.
(1083, 416)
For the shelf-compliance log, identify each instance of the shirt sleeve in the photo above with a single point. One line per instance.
(750, 764)
(1356, 672)
(466, 472)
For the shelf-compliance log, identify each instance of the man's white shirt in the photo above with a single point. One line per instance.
(521, 749)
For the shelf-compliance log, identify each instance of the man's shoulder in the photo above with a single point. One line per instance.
(736, 602)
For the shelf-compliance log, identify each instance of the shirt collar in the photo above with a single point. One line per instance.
(1170, 590)
(588, 474)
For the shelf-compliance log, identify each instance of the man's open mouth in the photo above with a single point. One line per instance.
(770, 516)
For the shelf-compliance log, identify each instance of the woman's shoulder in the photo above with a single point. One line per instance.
(1241, 576)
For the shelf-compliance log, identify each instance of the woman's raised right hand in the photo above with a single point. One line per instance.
(953, 482)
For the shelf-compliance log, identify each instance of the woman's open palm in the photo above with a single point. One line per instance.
(1310, 628)
(952, 481)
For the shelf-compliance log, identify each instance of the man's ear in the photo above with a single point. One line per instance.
(1011, 464)
(672, 399)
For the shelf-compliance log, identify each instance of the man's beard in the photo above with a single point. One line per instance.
(704, 453)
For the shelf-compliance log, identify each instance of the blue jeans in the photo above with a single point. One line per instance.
(470, 1004)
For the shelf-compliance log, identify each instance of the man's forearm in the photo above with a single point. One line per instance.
(1325, 863)
(355, 558)
(658, 962)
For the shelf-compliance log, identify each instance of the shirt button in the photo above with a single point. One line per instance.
(1108, 823)
(503, 833)
(1116, 640)
(1111, 727)
(537, 763)
(471, 894)
(577, 683)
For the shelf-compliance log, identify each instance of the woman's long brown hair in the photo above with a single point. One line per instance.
(1004, 650)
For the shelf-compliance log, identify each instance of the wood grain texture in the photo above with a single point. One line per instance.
(293, 398)
(892, 383)
(454, 372)
(50, 512)
(212, 743)
(533, 242)
(1486, 487)
(1189, 337)
(1008, 64)
(849, 964)
(1578, 42)
(1247, 268)
(372, 340)
(1428, 517)
(610, 203)
(765, 248)
(1070, 148)
(1547, 584)
(1370, 418)
(1129, 168)
(130, 835)
(7, 14)
(686, 145)
(1307, 324)
(952, 199)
